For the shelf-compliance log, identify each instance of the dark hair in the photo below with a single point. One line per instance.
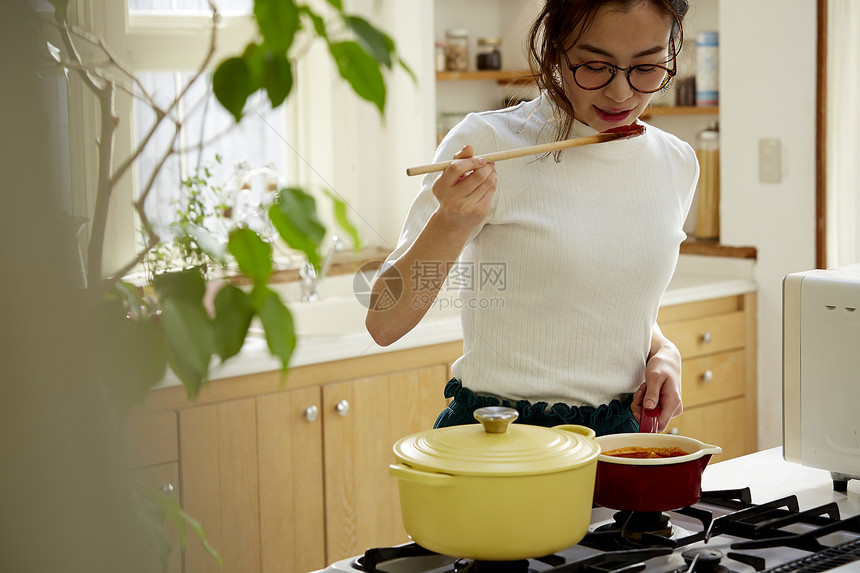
(557, 21)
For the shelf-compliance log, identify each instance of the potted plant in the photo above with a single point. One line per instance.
(114, 341)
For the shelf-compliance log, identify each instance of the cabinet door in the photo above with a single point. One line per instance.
(289, 449)
(363, 419)
(252, 475)
(721, 424)
(218, 462)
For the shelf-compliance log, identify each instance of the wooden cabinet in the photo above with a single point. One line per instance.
(717, 340)
(363, 419)
(291, 476)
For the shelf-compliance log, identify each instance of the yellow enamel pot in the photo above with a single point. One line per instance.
(497, 491)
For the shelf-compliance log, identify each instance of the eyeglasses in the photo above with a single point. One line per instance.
(643, 78)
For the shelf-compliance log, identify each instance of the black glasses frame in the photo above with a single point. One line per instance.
(670, 73)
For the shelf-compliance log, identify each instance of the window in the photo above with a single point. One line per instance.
(164, 42)
(323, 137)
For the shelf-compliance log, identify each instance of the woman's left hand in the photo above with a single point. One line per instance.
(662, 382)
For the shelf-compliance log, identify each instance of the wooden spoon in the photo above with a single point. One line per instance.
(616, 133)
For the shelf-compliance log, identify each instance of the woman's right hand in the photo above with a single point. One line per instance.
(465, 190)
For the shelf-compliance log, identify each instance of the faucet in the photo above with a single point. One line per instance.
(310, 278)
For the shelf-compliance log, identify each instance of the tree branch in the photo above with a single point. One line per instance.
(129, 161)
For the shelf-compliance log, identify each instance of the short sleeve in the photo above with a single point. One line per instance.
(473, 130)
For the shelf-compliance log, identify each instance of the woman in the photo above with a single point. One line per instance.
(569, 255)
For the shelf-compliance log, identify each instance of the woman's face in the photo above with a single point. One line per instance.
(624, 38)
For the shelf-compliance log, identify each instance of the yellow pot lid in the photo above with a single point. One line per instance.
(497, 447)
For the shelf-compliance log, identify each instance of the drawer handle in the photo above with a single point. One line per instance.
(311, 413)
(674, 431)
(342, 408)
(708, 376)
(167, 489)
(707, 337)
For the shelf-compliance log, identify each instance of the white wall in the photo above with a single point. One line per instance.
(767, 85)
(373, 152)
(767, 89)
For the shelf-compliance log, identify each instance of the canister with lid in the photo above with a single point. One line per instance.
(457, 50)
(489, 57)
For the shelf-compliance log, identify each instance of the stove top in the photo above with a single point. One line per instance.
(727, 531)
(724, 533)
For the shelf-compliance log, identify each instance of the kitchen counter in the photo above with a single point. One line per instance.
(696, 278)
(770, 477)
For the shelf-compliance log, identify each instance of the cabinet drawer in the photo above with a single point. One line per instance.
(153, 438)
(722, 424)
(707, 335)
(713, 378)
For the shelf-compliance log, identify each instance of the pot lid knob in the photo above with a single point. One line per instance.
(496, 419)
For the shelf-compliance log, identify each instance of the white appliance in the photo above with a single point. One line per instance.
(821, 371)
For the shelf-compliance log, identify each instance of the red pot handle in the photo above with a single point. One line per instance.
(648, 421)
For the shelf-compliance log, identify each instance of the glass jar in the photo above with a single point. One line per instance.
(488, 55)
(457, 50)
(708, 211)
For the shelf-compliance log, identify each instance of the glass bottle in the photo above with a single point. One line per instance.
(441, 64)
(708, 154)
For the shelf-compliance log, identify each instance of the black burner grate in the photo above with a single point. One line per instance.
(825, 560)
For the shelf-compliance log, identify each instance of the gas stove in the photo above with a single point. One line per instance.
(788, 519)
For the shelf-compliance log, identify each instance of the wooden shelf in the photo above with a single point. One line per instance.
(501, 76)
(666, 110)
(715, 249)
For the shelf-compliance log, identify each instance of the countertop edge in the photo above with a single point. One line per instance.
(255, 356)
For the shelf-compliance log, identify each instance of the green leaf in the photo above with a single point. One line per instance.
(294, 215)
(278, 21)
(340, 216)
(131, 296)
(233, 314)
(190, 341)
(278, 78)
(408, 70)
(361, 70)
(278, 324)
(337, 4)
(187, 286)
(171, 510)
(133, 352)
(317, 20)
(371, 39)
(254, 56)
(253, 254)
(150, 518)
(145, 357)
(207, 241)
(232, 83)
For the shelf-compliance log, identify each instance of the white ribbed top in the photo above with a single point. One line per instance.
(559, 288)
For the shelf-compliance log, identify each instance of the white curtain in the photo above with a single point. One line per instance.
(843, 133)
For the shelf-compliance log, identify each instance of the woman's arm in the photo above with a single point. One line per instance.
(662, 384)
(465, 192)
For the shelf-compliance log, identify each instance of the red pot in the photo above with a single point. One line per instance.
(650, 484)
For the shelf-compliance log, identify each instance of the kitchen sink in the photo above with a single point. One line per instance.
(340, 309)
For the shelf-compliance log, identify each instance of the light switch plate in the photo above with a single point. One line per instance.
(769, 160)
